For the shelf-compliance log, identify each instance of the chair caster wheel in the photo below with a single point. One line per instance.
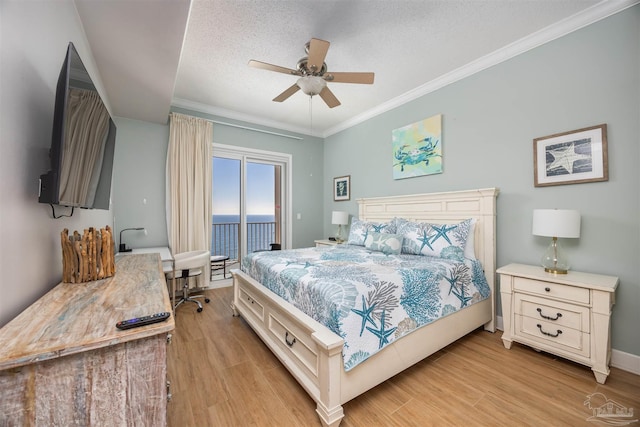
(207, 300)
(199, 309)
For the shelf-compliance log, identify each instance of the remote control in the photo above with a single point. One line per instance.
(144, 320)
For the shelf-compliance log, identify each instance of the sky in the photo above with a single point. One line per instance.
(226, 187)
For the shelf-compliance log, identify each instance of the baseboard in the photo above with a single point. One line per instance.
(625, 361)
(619, 359)
(220, 283)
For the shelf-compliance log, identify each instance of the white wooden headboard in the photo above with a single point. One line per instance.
(446, 207)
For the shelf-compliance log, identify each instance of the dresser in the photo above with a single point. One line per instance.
(63, 362)
(564, 314)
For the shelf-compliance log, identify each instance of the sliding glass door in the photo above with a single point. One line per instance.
(250, 199)
(263, 206)
(225, 229)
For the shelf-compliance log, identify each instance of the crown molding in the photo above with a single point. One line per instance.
(243, 117)
(566, 26)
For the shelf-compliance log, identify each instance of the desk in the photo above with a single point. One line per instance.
(168, 263)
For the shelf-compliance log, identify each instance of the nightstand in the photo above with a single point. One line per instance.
(564, 314)
(325, 242)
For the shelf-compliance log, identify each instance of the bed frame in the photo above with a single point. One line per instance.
(313, 354)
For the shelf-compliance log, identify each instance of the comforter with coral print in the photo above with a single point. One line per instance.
(368, 298)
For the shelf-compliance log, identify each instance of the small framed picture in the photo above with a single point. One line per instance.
(342, 188)
(571, 157)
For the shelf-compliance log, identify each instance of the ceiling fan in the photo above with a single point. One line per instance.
(314, 74)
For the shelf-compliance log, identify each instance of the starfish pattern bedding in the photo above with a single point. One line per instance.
(368, 298)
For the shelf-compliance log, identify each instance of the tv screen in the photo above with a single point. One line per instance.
(82, 142)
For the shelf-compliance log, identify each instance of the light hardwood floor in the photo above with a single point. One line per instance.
(223, 375)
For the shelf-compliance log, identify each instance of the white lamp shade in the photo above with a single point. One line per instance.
(556, 223)
(339, 218)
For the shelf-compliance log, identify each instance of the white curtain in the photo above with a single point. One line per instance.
(189, 177)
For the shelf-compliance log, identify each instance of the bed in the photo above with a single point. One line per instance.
(313, 354)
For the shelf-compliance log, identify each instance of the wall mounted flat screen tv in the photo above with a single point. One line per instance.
(82, 142)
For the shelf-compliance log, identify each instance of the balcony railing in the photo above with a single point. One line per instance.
(225, 237)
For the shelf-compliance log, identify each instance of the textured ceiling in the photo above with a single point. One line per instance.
(411, 46)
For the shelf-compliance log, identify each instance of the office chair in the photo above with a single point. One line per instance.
(189, 264)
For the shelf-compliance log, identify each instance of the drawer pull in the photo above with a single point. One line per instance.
(549, 334)
(558, 315)
(547, 289)
(286, 339)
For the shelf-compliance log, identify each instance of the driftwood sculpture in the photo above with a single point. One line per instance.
(87, 257)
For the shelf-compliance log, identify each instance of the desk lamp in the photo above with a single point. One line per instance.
(123, 246)
(556, 223)
(339, 218)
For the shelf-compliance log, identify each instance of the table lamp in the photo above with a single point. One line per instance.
(339, 218)
(556, 223)
(123, 246)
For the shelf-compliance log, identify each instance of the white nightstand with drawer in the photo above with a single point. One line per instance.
(327, 242)
(564, 314)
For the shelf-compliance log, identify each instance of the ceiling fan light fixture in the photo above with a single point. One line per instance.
(313, 76)
(311, 85)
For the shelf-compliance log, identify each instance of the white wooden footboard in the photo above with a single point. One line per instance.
(313, 354)
(310, 351)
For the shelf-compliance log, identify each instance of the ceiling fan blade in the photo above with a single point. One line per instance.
(329, 98)
(317, 52)
(270, 67)
(287, 93)
(362, 78)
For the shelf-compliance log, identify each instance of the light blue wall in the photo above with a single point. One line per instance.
(34, 38)
(490, 119)
(139, 182)
(139, 173)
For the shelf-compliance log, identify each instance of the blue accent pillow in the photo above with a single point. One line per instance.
(437, 240)
(389, 244)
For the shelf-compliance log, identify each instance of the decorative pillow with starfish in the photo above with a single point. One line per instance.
(387, 243)
(360, 230)
(437, 240)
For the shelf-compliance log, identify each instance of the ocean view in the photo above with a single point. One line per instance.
(224, 233)
(221, 219)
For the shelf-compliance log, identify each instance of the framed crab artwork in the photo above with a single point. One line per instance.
(417, 148)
